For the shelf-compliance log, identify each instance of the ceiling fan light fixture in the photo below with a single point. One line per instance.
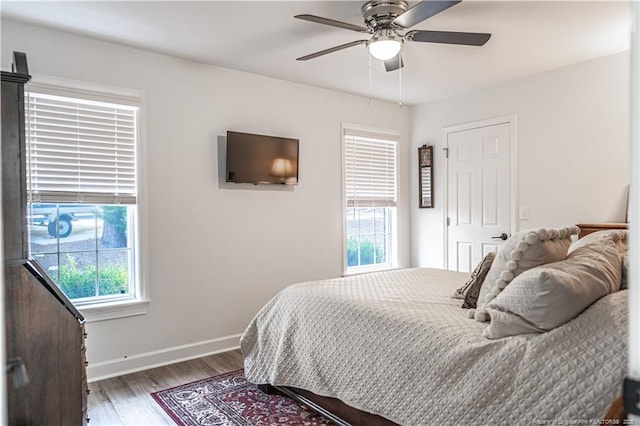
(384, 45)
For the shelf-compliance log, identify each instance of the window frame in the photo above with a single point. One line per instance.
(392, 255)
(137, 303)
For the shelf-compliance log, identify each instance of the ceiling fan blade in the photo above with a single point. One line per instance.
(331, 50)
(394, 63)
(333, 23)
(449, 37)
(423, 10)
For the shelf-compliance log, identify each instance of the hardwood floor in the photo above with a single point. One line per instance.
(126, 400)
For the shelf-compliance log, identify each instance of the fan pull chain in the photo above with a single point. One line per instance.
(370, 81)
(400, 77)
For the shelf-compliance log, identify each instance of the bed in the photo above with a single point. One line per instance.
(395, 347)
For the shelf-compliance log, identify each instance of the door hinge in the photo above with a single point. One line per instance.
(448, 221)
(631, 396)
(446, 152)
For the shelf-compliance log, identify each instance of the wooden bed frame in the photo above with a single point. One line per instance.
(344, 415)
(333, 409)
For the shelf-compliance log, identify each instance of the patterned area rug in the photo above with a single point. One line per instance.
(228, 399)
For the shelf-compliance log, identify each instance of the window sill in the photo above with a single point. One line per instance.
(366, 270)
(113, 310)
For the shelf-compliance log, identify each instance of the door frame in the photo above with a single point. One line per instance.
(511, 120)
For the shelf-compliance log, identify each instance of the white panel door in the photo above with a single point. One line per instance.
(479, 193)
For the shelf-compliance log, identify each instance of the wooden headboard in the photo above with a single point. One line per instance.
(588, 228)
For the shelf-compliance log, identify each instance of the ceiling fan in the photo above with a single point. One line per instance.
(387, 21)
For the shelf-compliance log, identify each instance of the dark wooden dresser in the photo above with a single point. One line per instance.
(588, 228)
(45, 350)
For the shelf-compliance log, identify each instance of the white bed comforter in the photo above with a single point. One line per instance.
(396, 344)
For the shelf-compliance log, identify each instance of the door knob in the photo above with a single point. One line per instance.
(502, 237)
(18, 371)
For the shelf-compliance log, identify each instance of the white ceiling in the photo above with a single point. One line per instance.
(262, 37)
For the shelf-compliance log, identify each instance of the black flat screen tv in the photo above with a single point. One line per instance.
(260, 159)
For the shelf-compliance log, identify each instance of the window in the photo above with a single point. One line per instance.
(370, 195)
(82, 189)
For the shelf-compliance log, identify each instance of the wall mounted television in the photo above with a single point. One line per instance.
(260, 159)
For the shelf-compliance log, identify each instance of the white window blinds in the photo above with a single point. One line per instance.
(80, 151)
(370, 169)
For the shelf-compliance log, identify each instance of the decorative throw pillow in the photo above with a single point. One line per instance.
(522, 251)
(477, 275)
(474, 283)
(618, 235)
(548, 296)
(487, 260)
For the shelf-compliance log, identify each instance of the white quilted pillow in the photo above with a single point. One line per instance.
(522, 251)
(618, 235)
(548, 296)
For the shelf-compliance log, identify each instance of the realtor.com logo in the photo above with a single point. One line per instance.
(567, 422)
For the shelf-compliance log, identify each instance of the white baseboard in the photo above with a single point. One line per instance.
(144, 361)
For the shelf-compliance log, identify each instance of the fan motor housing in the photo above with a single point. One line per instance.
(381, 13)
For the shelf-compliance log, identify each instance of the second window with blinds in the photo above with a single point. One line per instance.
(370, 188)
(81, 174)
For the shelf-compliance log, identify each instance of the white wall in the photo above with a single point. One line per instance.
(572, 144)
(215, 255)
